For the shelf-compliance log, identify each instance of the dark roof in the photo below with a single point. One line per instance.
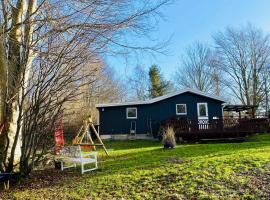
(238, 108)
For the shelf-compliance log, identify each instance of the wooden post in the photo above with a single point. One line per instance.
(92, 142)
(97, 135)
(84, 132)
(253, 112)
(89, 136)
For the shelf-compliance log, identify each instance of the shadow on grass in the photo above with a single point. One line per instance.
(157, 156)
(141, 155)
(130, 144)
(140, 143)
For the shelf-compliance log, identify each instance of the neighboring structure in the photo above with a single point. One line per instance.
(145, 117)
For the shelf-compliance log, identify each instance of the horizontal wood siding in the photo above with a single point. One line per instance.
(113, 119)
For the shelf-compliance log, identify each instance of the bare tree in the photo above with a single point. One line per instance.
(139, 83)
(243, 57)
(46, 43)
(197, 69)
(102, 86)
(42, 105)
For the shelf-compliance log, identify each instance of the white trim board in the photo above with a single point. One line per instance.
(162, 98)
(206, 109)
(127, 112)
(183, 104)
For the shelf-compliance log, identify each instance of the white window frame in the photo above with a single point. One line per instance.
(198, 109)
(127, 113)
(181, 104)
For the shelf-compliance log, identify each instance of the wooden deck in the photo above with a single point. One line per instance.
(217, 128)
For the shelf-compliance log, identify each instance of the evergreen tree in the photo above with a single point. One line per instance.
(158, 86)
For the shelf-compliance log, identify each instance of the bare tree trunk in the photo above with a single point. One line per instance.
(14, 68)
(17, 73)
(3, 90)
(3, 72)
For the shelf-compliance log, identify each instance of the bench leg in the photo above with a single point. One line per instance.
(6, 185)
(63, 167)
(83, 170)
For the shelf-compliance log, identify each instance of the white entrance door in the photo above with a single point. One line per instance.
(202, 111)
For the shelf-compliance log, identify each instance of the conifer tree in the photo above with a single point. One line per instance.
(158, 86)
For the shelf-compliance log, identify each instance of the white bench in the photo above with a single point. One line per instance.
(75, 155)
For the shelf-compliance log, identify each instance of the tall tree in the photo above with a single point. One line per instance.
(104, 86)
(41, 37)
(139, 81)
(17, 29)
(244, 58)
(197, 70)
(158, 85)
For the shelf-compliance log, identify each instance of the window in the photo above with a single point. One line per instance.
(131, 113)
(181, 109)
(202, 110)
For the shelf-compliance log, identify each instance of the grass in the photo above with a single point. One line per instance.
(143, 170)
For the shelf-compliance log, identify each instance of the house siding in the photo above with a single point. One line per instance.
(113, 119)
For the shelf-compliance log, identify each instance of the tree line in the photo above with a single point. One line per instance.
(236, 65)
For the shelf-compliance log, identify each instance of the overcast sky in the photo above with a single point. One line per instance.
(195, 20)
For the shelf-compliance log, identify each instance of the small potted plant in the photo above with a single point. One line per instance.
(168, 139)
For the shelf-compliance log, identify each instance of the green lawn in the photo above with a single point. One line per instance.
(143, 170)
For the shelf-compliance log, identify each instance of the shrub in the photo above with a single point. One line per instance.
(168, 139)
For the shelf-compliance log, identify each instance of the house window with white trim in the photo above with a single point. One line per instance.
(202, 109)
(181, 109)
(132, 113)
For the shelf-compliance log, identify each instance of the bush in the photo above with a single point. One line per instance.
(168, 138)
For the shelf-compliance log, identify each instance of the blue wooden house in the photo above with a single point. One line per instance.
(145, 117)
